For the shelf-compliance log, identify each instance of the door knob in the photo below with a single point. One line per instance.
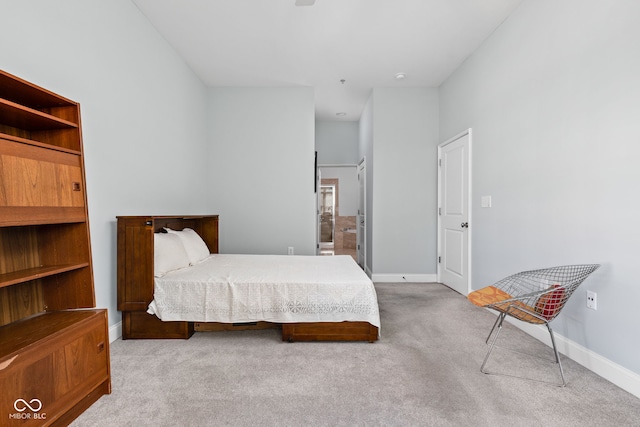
(464, 225)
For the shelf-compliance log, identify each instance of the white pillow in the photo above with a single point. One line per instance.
(196, 248)
(168, 254)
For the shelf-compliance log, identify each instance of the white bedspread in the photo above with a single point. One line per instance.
(272, 288)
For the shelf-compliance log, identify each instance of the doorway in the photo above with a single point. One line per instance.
(337, 206)
(454, 212)
(327, 216)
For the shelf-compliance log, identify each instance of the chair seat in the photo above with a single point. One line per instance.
(491, 297)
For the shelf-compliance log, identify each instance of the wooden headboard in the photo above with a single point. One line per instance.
(135, 270)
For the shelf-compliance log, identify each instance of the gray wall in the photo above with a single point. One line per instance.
(142, 109)
(553, 97)
(260, 165)
(348, 188)
(404, 181)
(337, 143)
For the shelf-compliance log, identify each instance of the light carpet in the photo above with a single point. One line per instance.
(424, 371)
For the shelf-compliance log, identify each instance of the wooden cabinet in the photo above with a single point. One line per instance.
(51, 353)
(135, 271)
(58, 368)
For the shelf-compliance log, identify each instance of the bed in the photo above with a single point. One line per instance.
(309, 298)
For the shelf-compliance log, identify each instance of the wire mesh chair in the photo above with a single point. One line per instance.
(535, 296)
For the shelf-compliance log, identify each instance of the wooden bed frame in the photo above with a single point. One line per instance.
(135, 288)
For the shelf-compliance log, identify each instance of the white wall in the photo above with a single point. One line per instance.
(404, 182)
(347, 177)
(261, 169)
(337, 142)
(337, 147)
(553, 97)
(142, 111)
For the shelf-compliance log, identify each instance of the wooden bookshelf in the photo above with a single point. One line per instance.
(54, 345)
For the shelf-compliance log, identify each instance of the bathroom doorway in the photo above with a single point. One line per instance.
(337, 209)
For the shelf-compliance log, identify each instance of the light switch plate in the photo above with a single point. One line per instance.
(485, 201)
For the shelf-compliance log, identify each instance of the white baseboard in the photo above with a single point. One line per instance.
(368, 271)
(115, 332)
(611, 371)
(398, 278)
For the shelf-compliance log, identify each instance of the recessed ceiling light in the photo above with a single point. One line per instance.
(305, 2)
(341, 114)
(400, 76)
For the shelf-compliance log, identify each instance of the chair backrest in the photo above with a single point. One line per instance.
(550, 288)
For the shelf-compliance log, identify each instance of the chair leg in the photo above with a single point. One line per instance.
(498, 323)
(498, 319)
(492, 344)
(555, 351)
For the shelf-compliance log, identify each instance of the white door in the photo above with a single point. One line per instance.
(361, 246)
(454, 212)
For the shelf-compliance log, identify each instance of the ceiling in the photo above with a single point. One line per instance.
(365, 43)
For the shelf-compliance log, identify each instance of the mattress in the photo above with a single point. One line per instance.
(272, 288)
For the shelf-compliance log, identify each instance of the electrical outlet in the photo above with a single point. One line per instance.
(290, 250)
(592, 300)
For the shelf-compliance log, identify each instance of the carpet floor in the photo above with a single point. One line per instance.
(424, 371)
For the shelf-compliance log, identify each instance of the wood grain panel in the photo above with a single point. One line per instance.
(20, 301)
(58, 358)
(23, 215)
(135, 263)
(328, 331)
(28, 181)
(140, 324)
(80, 360)
(18, 249)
